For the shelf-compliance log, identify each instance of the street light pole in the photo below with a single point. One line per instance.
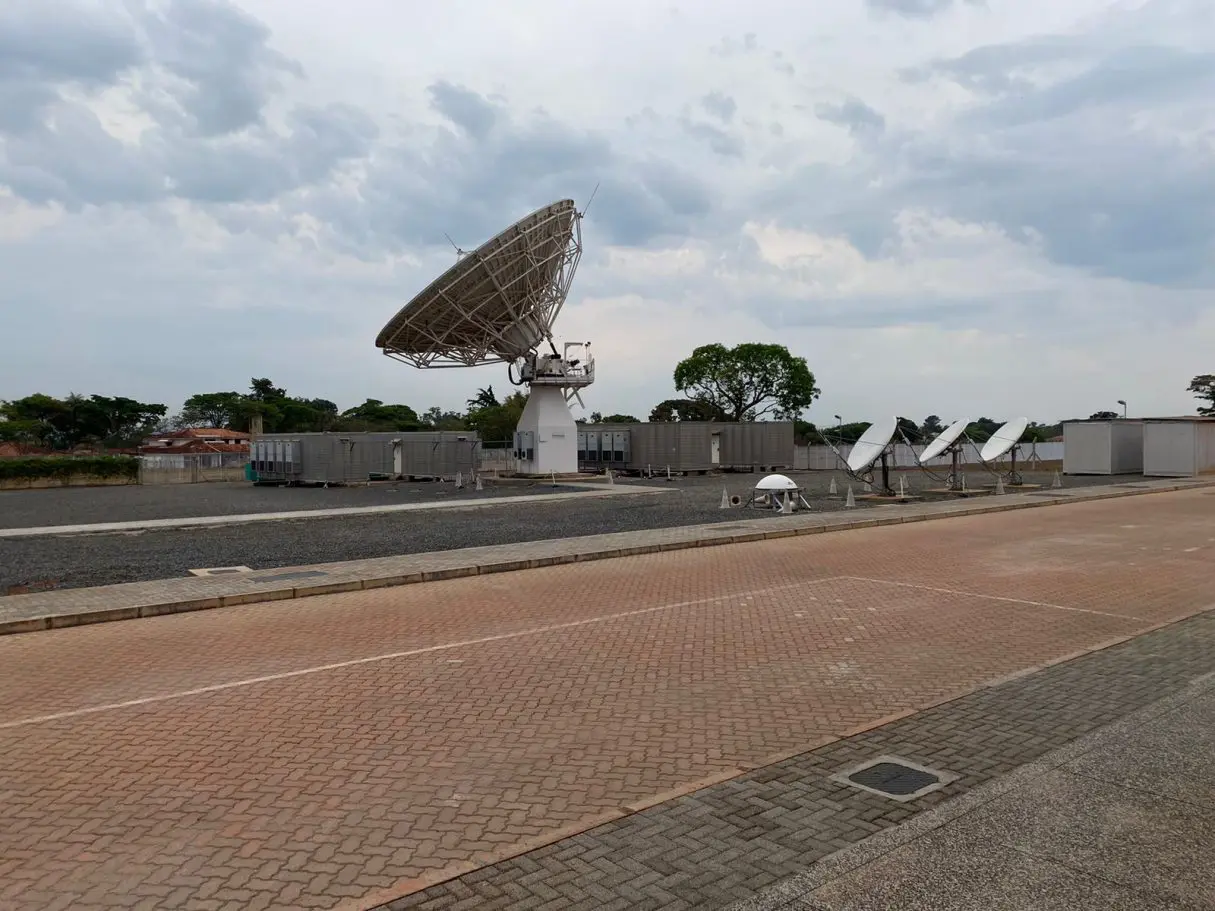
(1122, 402)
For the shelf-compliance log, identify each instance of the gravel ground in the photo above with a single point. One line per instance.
(87, 505)
(73, 561)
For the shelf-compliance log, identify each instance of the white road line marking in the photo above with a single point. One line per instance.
(410, 653)
(190, 522)
(954, 591)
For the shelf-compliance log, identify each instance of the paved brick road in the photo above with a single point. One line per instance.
(355, 747)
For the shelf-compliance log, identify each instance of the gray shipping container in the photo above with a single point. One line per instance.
(1178, 447)
(686, 446)
(354, 458)
(763, 445)
(1103, 447)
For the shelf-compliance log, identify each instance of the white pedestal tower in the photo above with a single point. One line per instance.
(546, 439)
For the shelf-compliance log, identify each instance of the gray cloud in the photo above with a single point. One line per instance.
(720, 105)
(1058, 156)
(222, 71)
(205, 73)
(46, 45)
(853, 114)
(466, 109)
(717, 139)
(468, 183)
(916, 9)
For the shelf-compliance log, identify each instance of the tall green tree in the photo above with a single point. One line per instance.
(497, 423)
(749, 381)
(375, 415)
(1203, 387)
(435, 418)
(931, 427)
(909, 429)
(686, 410)
(212, 409)
(484, 398)
(63, 423)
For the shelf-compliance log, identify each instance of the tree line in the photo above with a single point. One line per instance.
(748, 382)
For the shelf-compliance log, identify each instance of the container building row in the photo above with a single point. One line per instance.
(1166, 447)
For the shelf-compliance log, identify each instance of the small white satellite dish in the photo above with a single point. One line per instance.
(873, 443)
(776, 482)
(944, 440)
(1004, 439)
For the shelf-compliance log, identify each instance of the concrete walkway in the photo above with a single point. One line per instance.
(1120, 819)
(74, 607)
(240, 519)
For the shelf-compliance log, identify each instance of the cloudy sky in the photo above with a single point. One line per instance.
(947, 206)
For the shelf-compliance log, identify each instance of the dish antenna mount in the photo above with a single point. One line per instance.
(497, 304)
(948, 442)
(874, 448)
(1005, 441)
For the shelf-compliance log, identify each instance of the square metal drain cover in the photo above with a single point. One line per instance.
(894, 777)
(220, 570)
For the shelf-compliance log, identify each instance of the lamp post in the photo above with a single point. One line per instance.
(1122, 402)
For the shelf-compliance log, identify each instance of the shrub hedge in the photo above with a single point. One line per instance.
(65, 467)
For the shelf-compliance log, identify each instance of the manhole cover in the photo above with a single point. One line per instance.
(220, 570)
(894, 777)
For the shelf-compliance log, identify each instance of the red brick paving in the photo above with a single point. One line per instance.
(591, 687)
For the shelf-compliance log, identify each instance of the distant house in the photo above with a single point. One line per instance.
(21, 451)
(195, 439)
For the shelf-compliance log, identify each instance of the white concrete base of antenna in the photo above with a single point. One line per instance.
(546, 438)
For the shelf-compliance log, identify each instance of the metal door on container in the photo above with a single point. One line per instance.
(715, 449)
(398, 459)
(619, 438)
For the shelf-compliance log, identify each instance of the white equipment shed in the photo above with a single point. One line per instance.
(1181, 447)
(1103, 447)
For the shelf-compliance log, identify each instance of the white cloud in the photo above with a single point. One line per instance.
(945, 207)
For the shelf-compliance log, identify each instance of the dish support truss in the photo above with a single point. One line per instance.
(508, 315)
(869, 474)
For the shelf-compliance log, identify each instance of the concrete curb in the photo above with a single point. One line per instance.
(103, 604)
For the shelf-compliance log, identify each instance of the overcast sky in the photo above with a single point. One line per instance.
(946, 206)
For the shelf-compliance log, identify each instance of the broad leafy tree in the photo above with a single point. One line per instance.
(375, 415)
(1203, 387)
(44, 420)
(686, 410)
(749, 381)
(484, 398)
(496, 423)
(909, 430)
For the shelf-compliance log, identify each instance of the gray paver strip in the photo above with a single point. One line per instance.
(726, 844)
(1116, 750)
(73, 607)
(41, 531)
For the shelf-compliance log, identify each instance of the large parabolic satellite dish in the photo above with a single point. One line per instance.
(1004, 439)
(945, 439)
(498, 304)
(873, 443)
